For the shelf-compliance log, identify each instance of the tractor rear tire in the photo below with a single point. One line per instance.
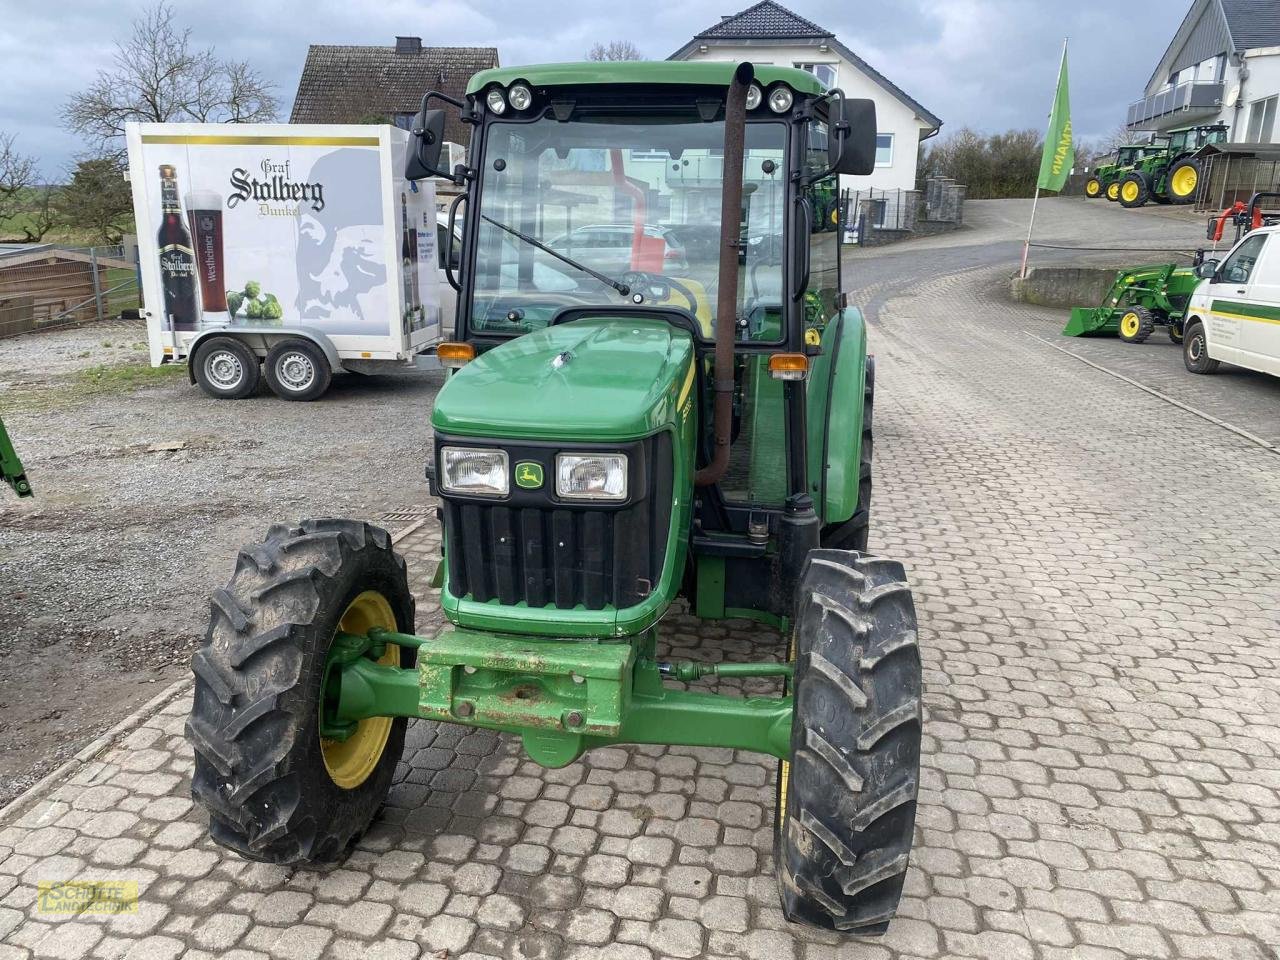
(1195, 350)
(1113, 191)
(855, 532)
(1136, 324)
(1183, 181)
(1134, 190)
(269, 783)
(1092, 188)
(847, 799)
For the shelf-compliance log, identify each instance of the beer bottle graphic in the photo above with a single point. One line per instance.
(177, 257)
(406, 257)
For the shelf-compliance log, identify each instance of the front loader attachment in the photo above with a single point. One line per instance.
(1090, 320)
(11, 467)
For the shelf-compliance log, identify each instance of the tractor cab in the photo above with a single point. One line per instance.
(658, 395)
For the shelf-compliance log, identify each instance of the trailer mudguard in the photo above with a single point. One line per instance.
(835, 409)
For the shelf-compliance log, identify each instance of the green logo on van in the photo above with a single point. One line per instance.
(529, 475)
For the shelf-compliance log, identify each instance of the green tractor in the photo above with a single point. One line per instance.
(686, 420)
(11, 469)
(1140, 299)
(1105, 180)
(1171, 175)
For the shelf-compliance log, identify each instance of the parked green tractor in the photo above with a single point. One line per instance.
(1105, 180)
(694, 426)
(1140, 299)
(11, 467)
(1172, 175)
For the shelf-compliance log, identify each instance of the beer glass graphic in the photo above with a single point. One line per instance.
(204, 213)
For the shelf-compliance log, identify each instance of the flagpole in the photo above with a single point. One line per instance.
(1026, 247)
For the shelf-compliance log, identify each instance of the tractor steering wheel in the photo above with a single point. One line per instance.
(655, 286)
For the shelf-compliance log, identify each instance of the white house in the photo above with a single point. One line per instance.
(769, 33)
(1222, 66)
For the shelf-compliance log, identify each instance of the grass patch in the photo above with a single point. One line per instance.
(93, 382)
(115, 378)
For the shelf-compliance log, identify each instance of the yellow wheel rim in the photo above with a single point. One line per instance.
(1184, 181)
(350, 762)
(1130, 324)
(1093, 188)
(1129, 191)
(1113, 190)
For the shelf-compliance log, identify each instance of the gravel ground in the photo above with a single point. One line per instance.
(145, 489)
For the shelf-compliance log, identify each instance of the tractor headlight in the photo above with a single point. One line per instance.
(496, 101)
(591, 476)
(519, 96)
(780, 98)
(479, 473)
(754, 96)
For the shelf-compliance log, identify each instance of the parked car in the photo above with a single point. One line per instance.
(606, 247)
(1234, 315)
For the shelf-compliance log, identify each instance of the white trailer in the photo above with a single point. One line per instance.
(285, 251)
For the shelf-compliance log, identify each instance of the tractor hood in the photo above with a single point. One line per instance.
(596, 379)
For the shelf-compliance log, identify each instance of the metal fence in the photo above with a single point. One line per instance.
(878, 216)
(49, 285)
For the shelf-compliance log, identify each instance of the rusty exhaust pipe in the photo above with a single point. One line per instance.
(735, 135)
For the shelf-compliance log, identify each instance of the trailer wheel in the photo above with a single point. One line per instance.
(1136, 324)
(1184, 181)
(274, 789)
(854, 533)
(297, 369)
(1134, 190)
(1113, 191)
(1195, 350)
(226, 369)
(1093, 188)
(847, 799)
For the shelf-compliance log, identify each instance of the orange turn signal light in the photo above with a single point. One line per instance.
(455, 355)
(788, 366)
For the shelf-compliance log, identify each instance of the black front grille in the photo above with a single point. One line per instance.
(535, 549)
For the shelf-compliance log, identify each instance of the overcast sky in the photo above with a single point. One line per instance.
(987, 64)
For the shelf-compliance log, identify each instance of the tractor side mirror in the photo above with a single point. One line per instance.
(427, 140)
(1206, 269)
(851, 137)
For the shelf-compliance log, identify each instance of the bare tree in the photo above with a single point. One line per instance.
(41, 214)
(1121, 136)
(17, 176)
(158, 75)
(614, 50)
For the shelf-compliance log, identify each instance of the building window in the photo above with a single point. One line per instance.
(825, 72)
(1262, 120)
(403, 120)
(884, 149)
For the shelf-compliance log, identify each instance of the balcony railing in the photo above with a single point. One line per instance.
(1193, 95)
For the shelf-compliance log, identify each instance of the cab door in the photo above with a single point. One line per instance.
(1260, 334)
(1229, 300)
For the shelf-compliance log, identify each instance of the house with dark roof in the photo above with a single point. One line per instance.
(350, 84)
(768, 32)
(1222, 66)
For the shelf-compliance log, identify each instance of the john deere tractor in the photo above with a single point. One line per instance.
(1171, 175)
(689, 426)
(1105, 180)
(11, 470)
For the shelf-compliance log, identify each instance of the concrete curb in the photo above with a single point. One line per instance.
(91, 751)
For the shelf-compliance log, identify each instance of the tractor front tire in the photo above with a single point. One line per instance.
(1134, 190)
(847, 798)
(274, 790)
(1092, 188)
(1113, 191)
(1183, 182)
(1175, 331)
(1195, 350)
(1136, 324)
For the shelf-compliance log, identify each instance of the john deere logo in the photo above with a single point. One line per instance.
(529, 475)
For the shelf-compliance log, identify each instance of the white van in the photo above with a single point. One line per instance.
(1234, 316)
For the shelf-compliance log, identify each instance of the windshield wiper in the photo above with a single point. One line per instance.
(622, 288)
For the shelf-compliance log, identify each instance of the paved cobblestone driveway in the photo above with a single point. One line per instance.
(1097, 576)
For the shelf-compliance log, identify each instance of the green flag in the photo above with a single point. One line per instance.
(1059, 152)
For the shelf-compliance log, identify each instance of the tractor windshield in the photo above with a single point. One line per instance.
(632, 199)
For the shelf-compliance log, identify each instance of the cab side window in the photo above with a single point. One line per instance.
(822, 293)
(1239, 267)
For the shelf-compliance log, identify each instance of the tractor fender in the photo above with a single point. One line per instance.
(260, 340)
(835, 401)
